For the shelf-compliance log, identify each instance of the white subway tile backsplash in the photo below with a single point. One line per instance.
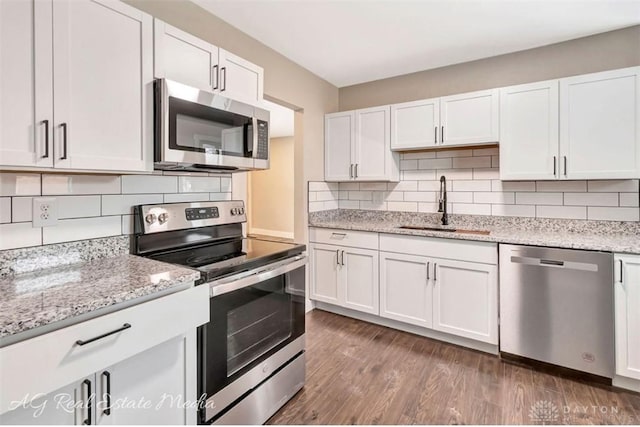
(348, 204)
(622, 186)
(486, 173)
(389, 196)
(445, 163)
(19, 235)
(127, 224)
(122, 204)
(561, 186)
(215, 197)
(78, 206)
(348, 186)
(460, 197)
(468, 185)
(187, 197)
(497, 185)
(225, 185)
(471, 209)
(403, 186)
(330, 204)
(565, 212)
(360, 195)
(419, 175)
(373, 205)
(5, 210)
(342, 195)
(499, 198)
(408, 164)
(378, 186)
(472, 162)
(419, 196)
(322, 186)
(538, 198)
(495, 161)
(419, 155)
(613, 214)
(629, 199)
(492, 151)
(19, 184)
(453, 174)
(591, 199)
(513, 210)
(454, 153)
(430, 207)
(53, 185)
(21, 209)
(403, 206)
(141, 184)
(69, 230)
(198, 184)
(313, 196)
(433, 185)
(316, 206)
(321, 196)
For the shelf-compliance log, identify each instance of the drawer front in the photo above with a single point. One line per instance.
(354, 239)
(47, 362)
(461, 250)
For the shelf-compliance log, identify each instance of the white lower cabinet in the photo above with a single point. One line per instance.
(465, 298)
(345, 276)
(627, 314)
(406, 293)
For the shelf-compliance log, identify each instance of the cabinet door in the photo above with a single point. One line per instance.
(372, 151)
(324, 273)
(627, 303)
(529, 131)
(465, 299)
(469, 118)
(339, 137)
(359, 276)
(415, 125)
(600, 125)
(156, 376)
(65, 406)
(103, 81)
(26, 90)
(184, 58)
(405, 288)
(240, 79)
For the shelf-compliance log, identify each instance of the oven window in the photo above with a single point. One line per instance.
(195, 127)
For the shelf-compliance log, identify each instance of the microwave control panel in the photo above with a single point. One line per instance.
(263, 140)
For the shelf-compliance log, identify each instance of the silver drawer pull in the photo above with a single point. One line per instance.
(338, 235)
(115, 331)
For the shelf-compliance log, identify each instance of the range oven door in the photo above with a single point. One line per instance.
(256, 326)
(206, 130)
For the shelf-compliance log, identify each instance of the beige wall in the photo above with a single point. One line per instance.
(606, 51)
(283, 80)
(271, 192)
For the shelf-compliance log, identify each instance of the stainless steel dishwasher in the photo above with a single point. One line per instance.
(556, 306)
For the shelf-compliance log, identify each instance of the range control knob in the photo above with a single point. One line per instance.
(150, 218)
(234, 211)
(241, 211)
(162, 218)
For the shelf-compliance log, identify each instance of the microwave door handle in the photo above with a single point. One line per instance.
(254, 150)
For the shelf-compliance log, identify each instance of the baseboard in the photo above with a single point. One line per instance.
(273, 233)
(394, 324)
(627, 383)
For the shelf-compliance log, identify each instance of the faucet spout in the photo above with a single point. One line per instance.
(442, 205)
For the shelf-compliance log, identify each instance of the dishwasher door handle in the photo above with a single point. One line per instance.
(551, 262)
(544, 262)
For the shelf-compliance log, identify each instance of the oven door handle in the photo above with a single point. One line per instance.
(233, 283)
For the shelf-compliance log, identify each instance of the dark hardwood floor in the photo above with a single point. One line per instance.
(360, 373)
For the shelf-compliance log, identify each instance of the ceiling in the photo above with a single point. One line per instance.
(354, 41)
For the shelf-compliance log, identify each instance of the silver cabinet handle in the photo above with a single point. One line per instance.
(435, 274)
(428, 271)
(621, 271)
(223, 71)
(342, 258)
(46, 138)
(442, 135)
(554, 165)
(565, 165)
(435, 135)
(351, 170)
(339, 235)
(64, 141)
(215, 77)
(337, 256)
(356, 171)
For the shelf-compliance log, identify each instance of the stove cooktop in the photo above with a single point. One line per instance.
(229, 257)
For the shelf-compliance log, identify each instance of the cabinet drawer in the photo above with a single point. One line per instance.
(356, 239)
(461, 250)
(47, 362)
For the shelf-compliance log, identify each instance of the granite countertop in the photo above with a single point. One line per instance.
(38, 298)
(589, 235)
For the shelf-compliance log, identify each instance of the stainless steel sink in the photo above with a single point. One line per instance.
(446, 230)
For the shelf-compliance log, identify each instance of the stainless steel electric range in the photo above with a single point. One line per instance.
(251, 353)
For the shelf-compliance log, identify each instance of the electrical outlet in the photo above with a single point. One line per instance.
(45, 211)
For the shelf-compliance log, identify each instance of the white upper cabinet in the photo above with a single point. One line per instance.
(469, 118)
(187, 59)
(26, 87)
(415, 125)
(457, 120)
(357, 146)
(339, 137)
(103, 85)
(183, 57)
(529, 131)
(239, 79)
(600, 125)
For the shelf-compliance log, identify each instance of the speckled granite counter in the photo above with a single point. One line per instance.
(623, 237)
(55, 294)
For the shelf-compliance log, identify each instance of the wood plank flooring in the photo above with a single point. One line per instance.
(360, 373)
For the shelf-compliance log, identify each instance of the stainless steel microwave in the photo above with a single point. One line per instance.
(197, 130)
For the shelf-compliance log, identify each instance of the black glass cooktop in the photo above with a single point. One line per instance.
(232, 256)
